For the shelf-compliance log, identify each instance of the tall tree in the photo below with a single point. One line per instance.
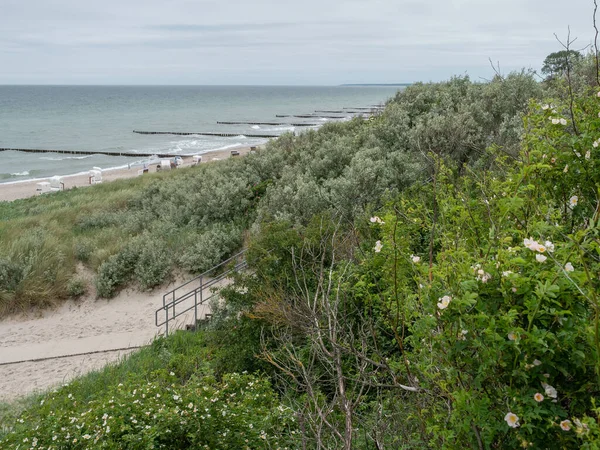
(556, 64)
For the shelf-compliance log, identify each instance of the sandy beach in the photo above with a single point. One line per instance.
(25, 189)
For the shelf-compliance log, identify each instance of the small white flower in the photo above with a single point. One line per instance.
(512, 420)
(415, 259)
(595, 144)
(376, 219)
(537, 362)
(598, 94)
(588, 154)
(569, 267)
(378, 246)
(483, 276)
(565, 425)
(545, 107)
(512, 336)
(555, 121)
(530, 244)
(507, 273)
(176, 397)
(444, 302)
(549, 246)
(540, 258)
(538, 397)
(566, 169)
(578, 154)
(86, 436)
(549, 390)
(563, 121)
(553, 160)
(573, 201)
(581, 427)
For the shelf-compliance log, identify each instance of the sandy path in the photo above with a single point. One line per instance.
(15, 191)
(89, 325)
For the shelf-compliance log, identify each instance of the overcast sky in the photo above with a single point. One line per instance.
(303, 42)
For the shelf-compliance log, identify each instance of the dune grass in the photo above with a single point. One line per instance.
(43, 238)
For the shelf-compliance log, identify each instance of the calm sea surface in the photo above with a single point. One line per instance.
(102, 118)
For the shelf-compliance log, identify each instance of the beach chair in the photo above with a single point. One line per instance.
(196, 159)
(42, 188)
(165, 164)
(234, 153)
(95, 176)
(56, 184)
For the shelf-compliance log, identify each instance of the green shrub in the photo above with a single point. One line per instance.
(117, 270)
(11, 275)
(211, 247)
(153, 264)
(83, 250)
(241, 411)
(76, 287)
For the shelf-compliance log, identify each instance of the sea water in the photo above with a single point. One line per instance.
(102, 118)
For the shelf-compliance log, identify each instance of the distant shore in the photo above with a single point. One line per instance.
(24, 189)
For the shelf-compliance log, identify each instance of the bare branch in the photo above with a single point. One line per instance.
(596, 44)
(567, 47)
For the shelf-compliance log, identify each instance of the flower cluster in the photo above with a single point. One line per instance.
(376, 219)
(240, 412)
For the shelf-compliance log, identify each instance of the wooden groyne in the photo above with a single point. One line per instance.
(345, 111)
(204, 133)
(270, 123)
(310, 116)
(89, 153)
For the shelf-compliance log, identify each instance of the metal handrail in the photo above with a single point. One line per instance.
(190, 294)
(171, 300)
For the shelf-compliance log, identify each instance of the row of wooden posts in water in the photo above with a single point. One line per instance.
(345, 110)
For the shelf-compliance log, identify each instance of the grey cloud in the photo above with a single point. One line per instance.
(269, 41)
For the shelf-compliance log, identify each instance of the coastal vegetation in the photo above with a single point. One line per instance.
(424, 279)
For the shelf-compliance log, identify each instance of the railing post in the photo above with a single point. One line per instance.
(196, 311)
(201, 290)
(173, 304)
(166, 319)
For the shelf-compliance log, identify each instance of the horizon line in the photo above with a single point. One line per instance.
(215, 85)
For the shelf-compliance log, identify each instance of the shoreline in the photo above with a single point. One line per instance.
(21, 189)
